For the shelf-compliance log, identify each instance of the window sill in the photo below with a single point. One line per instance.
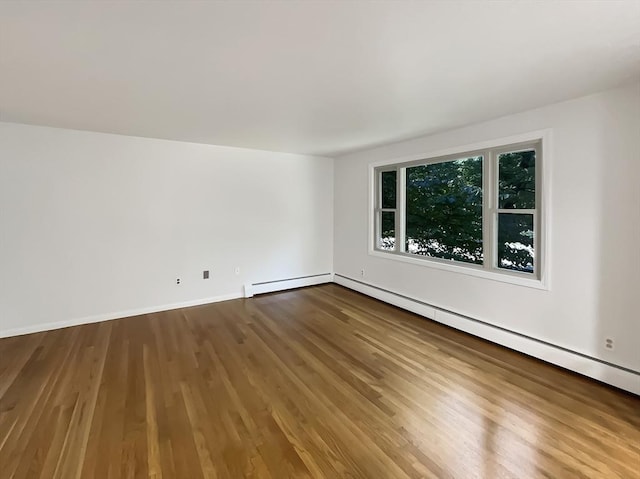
(470, 270)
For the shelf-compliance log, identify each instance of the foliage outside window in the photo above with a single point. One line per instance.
(477, 209)
(444, 210)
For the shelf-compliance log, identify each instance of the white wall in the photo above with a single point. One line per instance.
(93, 225)
(595, 230)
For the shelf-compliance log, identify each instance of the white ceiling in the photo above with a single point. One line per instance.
(315, 77)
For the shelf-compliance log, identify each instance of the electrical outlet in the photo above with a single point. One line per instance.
(178, 281)
(237, 270)
(362, 273)
(609, 344)
(205, 274)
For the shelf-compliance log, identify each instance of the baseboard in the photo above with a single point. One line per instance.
(37, 328)
(595, 368)
(251, 289)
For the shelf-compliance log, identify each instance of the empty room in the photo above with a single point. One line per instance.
(319, 239)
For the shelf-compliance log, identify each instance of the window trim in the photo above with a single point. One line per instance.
(543, 140)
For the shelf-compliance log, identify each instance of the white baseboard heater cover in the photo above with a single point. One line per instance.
(251, 289)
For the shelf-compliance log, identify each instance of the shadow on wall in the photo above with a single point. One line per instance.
(618, 260)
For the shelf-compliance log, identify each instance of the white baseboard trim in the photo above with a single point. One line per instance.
(251, 289)
(37, 328)
(617, 376)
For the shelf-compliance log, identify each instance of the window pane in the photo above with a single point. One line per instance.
(387, 230)
(444, 210)
(517, 180)
(389, 189)
(515, 242)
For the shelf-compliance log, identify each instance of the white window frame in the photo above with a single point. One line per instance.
(539, 279)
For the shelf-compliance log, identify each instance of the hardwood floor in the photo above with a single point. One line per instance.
(317, 382)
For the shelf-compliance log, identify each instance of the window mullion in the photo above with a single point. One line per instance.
(378, 217)
(401, 209)
(488, 211)
(495, 203)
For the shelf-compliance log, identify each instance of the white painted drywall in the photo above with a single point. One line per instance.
(94, 224)
(594, 237)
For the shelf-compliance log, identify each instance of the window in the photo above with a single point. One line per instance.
(388, 199)
(516, 210)
(478, 209)
(444, 210)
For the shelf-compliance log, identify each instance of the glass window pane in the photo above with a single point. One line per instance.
(388, 189)
(444, 210)
(517, 180)
(515, 242)
(387, 230)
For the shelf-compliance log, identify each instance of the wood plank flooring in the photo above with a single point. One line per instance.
(319, 382)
